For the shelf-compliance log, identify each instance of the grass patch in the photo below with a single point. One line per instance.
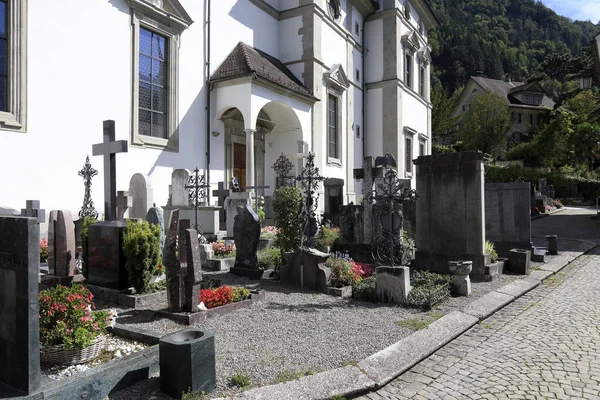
(348, 363)
(105, 356)
(435, 315)
(240, 380)
(415, 324)
(555, 280)
(338, 397)
(287, 376)
(189, 395)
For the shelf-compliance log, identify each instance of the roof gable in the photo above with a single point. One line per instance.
(247, 60)
(168, 12)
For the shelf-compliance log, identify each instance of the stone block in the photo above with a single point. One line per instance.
(538, 254)
(187, 362)
(519, 261)
(393, 284)
(106, 260)
(552, 244)
(344, 292)
(315, 275)
(19, 324)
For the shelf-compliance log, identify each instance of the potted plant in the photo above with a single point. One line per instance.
(70, 331)
(328, 238)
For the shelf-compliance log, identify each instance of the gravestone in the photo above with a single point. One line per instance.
(109, 149)
(179, 194)
(450, 211)
(124, 203)
(172, 265)
(33, 210)
(221, 193)
(306, 269)
(193, 277)
(507, 216)
(106, 260)
(232, 203)
(246, 232)
(543, 185)
(19, 321)
(142, 195)
(155, 216)
(393, 284)
(370, 176)
(61, 243)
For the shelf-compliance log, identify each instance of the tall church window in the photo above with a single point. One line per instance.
(13, 65)
(422, 77)
(157, 27)
(153, 58)
(408, 155)
(408, 70)
(332, 127)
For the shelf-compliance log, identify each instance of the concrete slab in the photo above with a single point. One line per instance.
(488, 304)
(541, 274)
(396, 359)
(519, 287)
(346, 381)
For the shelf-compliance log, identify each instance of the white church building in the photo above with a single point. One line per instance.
(227, 86)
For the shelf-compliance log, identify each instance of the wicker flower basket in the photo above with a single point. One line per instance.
(58, 355)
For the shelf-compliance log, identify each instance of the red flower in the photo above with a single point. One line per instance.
(159, 267)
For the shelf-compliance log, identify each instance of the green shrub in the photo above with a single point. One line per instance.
(341, 272)
(240, 293)
(428, 288)
(87, 221)
(269, 258)
(287, 208)
(141, 245)
(327, 237)
(491, 250)
(365, 289)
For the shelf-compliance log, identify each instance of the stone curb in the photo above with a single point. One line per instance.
(386, 365)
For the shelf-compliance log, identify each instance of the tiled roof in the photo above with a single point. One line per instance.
(245, 59)
(507, 89)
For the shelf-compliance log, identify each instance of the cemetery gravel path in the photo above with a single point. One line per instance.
(544, 345)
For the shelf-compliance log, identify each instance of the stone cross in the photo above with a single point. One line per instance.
(109, 148)
(221, 193)
(124, 201)
(87, 173)
(196, 186)
(33, 210)
(369, 176)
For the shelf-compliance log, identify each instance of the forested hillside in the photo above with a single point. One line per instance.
(503, 38)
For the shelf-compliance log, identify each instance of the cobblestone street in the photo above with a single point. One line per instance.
(545, 345)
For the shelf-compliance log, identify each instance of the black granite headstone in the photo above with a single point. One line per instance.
(246, 232)
(19, 323)
(106, 260)
(172, 265)
(193, 277)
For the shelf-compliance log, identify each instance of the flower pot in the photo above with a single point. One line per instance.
(58, 355)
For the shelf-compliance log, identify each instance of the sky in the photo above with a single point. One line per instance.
(576, 9)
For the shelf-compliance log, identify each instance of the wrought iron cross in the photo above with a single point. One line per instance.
(109, 149)
(310, 179)
(87, 173)
(390, 194)
(196, 185)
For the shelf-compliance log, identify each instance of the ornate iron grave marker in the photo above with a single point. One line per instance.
(310, 179)
(196, 185)
(390, 195)
(282, 167)
(87, 173)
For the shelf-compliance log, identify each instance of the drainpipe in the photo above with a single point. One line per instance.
(364, 81)
(207, 86)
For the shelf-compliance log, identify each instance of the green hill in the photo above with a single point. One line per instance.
(503, 38)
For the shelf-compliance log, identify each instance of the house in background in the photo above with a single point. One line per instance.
(227, 86)
(528, 103)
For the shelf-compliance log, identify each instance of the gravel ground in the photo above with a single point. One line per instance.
(295, 332)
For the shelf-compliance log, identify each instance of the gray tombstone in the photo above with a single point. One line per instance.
(61, 243)
(450, 211)
(246, 232)
(142, 195)
(33, 210)
(193, 277)
(19, 321)
(124, 203)
(507, 216)
(179, 194)
(155, 216)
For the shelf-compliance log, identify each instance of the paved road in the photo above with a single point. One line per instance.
(572, 222)
(545, 345)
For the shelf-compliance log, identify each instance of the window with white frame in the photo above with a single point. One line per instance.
(332, 126)
(422, 82)
(13, 65)
(157, 28)
(421, 149)
(408, 61)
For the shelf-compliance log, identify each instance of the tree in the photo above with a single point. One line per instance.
(443, 106)
(485, 126)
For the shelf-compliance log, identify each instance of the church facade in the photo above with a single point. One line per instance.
(227, 86)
